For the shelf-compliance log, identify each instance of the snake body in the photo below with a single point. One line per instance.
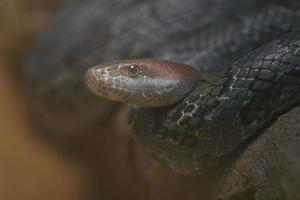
(219, 115)
(248, 53)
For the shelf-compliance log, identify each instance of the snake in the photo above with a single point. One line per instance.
(203, 79)
(220, 114)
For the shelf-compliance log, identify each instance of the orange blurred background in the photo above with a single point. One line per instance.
(29, 169)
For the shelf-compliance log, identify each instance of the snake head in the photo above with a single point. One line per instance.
(144, 82)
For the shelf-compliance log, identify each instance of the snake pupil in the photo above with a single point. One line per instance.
(133, 70)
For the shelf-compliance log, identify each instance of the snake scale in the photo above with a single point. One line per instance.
(249, 52)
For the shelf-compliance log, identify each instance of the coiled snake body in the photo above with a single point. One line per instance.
(248, 55)
(219, 115)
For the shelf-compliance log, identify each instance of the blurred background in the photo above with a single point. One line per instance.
(31, 167)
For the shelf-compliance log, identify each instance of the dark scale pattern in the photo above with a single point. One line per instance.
(239, 102)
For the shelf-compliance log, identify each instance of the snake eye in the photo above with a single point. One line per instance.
(133, 70)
